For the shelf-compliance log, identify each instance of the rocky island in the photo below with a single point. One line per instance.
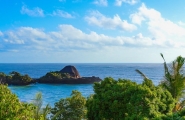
(68, 75)
(15, 78)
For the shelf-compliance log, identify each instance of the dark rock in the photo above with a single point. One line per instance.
(71, 70)
(73, 78)
(15, 78)
(82, 80)
(19, 83)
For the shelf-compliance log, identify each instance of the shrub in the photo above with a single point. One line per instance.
(71, 108)
(11, 108)
(129, 100)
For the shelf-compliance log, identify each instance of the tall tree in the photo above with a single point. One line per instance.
(38, 104)
(39, 112)
(174, 80)
(71, 108)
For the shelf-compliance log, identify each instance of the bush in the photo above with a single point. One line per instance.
(15, 78)
(129, 100)
(11, 108)
(71, 108)
(53, 76)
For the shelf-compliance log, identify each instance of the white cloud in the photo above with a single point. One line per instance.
(69, 38)
(131, 2)
(35, 12)
(1, 34)
(68, 42)
(181, 23)
(98, 19)
(13, 38)
(162, 31)
(101, 2)
(61, 13)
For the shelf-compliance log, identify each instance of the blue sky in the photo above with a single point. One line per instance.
(91, 31)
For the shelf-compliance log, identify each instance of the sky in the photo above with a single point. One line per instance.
(91, 31)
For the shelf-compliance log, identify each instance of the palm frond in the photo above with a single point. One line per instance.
(143, 75)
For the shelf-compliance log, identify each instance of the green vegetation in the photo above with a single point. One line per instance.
(39, 112)
(126, 99)
(15, 78)
(11, 108)
(174, 81)
(71, 108)
(53, 76)
(120, 99)
(2, 77)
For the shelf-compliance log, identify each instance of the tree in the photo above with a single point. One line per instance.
(38, 104)
(18, 78)
(39, 112)
(174, 80)
(124, 99)
(71, 108)
(11, 108)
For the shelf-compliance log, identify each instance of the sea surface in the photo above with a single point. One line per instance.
(53, 93)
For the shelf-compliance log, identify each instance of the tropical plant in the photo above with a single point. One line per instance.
(18, 77)
(71, 108)
(39, 112)
(11, 108)
(45, 112)
(174, 80)
(38, 104)
(124, 99)
(179, 115)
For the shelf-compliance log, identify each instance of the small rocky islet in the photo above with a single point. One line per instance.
(68, 75)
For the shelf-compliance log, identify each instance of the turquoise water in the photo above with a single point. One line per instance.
(53, 93)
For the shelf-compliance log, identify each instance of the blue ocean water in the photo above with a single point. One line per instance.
(53, 93)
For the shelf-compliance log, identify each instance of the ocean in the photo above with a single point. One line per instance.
(53, 93)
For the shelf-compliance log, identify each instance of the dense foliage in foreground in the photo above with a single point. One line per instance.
(129, 100)
(112, 99)
(71, 108)
(11, 108)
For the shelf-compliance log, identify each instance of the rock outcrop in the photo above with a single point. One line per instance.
(68, 75)
(15, 78)
(71, 70)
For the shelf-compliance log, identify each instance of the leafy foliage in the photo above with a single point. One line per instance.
(174, 80)
(180, 115)
(39, 112)
(15, 78)
(54, 76)
(71, 108)
(129, 100)
(18, 78)
(11, 108)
